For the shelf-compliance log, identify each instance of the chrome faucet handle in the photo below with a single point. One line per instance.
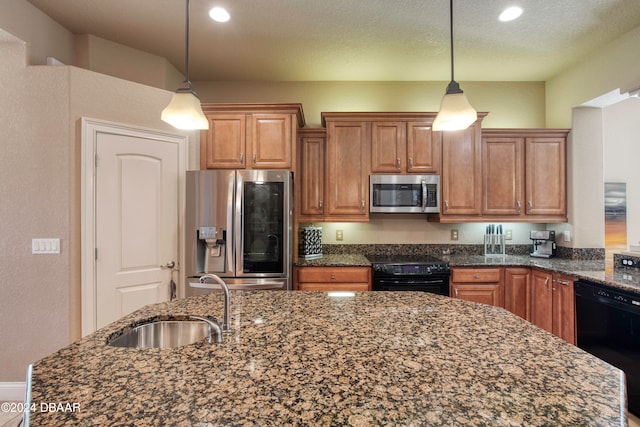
(213, 327)
(226, 323)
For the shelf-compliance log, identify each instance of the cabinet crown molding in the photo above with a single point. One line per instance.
(383, 116)
(294, 108)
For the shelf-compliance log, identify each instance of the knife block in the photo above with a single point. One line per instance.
(494, 245)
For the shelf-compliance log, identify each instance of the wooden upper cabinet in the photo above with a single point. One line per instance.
(311, 174)
(388, 146)
(257, 136)
(347, 171)
(502, 176)
(461, 172)
(222, 146)
(271, 140)
(546, 176)
(424, 148)
(524, 175)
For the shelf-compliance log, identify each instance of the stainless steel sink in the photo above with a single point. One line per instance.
(167, 334)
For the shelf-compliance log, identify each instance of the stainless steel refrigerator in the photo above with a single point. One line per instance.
(239, 227)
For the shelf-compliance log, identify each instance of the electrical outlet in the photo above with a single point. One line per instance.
(508, 234)
(454, 234)
(339, 235)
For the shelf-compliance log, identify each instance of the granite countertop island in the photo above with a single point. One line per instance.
(307, 358)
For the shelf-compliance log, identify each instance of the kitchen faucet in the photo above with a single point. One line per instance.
(226, 326)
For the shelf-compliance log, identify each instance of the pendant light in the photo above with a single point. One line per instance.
(184, 111)
(455, 111)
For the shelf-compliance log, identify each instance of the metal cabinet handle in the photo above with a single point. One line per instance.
(320, 203)
(456, 291)
(446, 206)
(398, 163)
(241, 157)
(362, 205)
(519, 207)
(530, 204)
(333, 276)
(255, 158)
(546, 282)
(410, 162)
(476, 276)
(562, 282)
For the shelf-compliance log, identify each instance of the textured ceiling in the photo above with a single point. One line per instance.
(395, 40)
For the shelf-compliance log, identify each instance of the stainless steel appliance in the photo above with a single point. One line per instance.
(544, 243)
(410, 273)
(238, 227)
(404, 193)
(608, 326)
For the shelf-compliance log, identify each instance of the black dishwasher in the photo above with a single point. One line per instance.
(608, 326)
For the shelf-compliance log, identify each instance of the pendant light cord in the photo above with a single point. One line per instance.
(186, 55)
(450, 33)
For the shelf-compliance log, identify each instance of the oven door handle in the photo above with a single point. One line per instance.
(412, 282)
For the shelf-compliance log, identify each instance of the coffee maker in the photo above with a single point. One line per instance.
(544, 243)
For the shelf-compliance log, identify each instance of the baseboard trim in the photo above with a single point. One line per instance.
(12, 391)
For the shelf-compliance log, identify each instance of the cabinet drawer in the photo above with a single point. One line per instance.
(475, 275)
(333, 274)
(355, 287)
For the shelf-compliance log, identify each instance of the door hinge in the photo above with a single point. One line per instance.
(96, 253)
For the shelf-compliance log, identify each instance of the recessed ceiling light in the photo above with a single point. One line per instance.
(510, 13)
(219, 14)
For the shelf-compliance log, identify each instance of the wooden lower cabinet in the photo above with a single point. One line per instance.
(517, 291)
(553, 304)
(332, 278)
(483, 285)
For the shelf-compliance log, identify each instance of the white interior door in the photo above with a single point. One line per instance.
(136, 222)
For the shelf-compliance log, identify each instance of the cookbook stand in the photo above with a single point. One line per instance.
(494, 245)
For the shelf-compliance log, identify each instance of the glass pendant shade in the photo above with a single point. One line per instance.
(456, 113)
(184, 111)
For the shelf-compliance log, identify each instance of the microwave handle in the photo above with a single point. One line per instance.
(424, 195)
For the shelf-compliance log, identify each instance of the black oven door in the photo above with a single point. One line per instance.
(608, 326)
(432, 285)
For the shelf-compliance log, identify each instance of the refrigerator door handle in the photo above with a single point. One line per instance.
(239, 225)
(230, 230)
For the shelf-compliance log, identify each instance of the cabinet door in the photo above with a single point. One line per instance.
(564, 310)
(542, 300)
(347, 170)
(503, 176)
(311, 176)
(517, 291)
(388, 146)
(483, 285)
(223, 144)
(461, 172)
(423, 148)
(546, 176)
(271, 140)
(485, 293)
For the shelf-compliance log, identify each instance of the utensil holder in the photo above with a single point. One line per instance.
(494, 245)
(310, 244)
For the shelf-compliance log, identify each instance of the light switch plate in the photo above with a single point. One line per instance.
(454, 234)
(339, 235)
(45, 246)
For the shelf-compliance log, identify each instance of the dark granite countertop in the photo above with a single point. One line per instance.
(592, 270)
(306, 358)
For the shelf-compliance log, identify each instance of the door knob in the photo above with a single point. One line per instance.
(170, 264)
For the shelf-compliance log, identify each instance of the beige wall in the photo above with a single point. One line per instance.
(621, 136)
(510, 104)
(113, 59)
(40, 176)
(616, 65)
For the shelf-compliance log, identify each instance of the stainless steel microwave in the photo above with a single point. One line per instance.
(404, 193)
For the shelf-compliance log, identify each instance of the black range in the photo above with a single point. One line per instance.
(410, 273)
